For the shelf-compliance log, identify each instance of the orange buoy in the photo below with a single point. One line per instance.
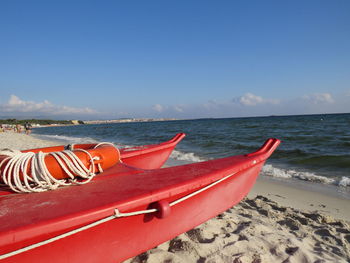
(105, 155)
(44, 169)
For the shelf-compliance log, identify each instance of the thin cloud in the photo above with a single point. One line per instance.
(250, 99)
(319, 98)
(158, 108)
(245, 105)
(168, 109)
(17, 105)
(250, 104)
(178, 109)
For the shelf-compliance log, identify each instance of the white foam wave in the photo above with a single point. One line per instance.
(188, 157)
(123, 146)
(344, 181)
(66, 139)
(269, 170)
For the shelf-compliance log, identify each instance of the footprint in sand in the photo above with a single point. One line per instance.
(241, 227)
(290, 223)
(178, 244)
(197, 236)
(326, 235)
(347, 238)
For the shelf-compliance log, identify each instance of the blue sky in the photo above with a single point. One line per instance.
(181, 59)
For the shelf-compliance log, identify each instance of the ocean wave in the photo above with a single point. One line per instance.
(181, 156)
(66, 139)
(344, 181)
(269, 170)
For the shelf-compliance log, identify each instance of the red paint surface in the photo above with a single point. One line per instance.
(29, 218)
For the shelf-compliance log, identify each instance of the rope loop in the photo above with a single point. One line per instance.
(15, 171)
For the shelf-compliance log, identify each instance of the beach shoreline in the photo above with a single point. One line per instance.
(279, 221)
(304, 196)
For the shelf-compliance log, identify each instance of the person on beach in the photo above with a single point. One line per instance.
(2, 128)
(28, 128)
(18, 128)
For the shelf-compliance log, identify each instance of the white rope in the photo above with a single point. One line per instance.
(117, 214)
(69, 233)
(111, 144)
(175, 202)
(40, 179)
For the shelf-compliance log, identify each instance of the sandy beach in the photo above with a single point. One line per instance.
(20, 141)
(277, 222)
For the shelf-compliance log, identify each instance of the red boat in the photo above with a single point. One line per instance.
(150, 156)
(125, 212)
(145, 157)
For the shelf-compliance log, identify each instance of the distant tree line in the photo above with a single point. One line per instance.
(36, 121)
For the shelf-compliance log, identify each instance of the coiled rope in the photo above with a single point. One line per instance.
(40, 179)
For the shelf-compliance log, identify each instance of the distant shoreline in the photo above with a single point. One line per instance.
(56, 123)
(129, 120)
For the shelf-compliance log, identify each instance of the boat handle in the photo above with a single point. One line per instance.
(119, 214)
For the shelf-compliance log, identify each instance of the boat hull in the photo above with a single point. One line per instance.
(150, 156)
(122, 238)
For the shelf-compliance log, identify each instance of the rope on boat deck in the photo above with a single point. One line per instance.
(117, 214)
(175, 202)
(41, 179)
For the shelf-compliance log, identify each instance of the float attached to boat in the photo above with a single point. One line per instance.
(124, 211)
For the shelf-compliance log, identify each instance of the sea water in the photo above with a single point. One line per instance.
(314, 148)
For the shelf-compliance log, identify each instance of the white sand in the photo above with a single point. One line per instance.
(20, 141)
(278, 222)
